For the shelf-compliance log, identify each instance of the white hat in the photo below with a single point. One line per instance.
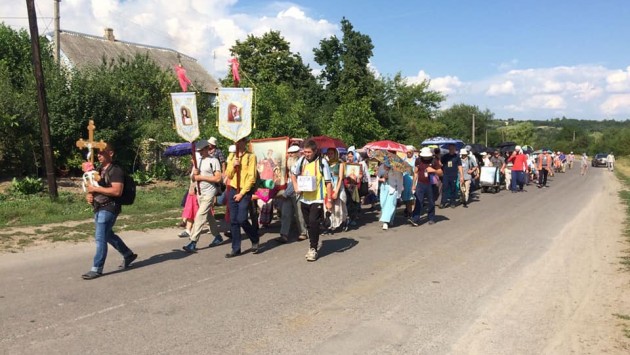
(483, 153)
(426, 152)
(201, 144)
(232, 149)
(351, 149)
(212, 141)
(518, 148)
(293, 149)
(410, 148)
(463, 151)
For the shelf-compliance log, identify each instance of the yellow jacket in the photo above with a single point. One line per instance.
(248, 172)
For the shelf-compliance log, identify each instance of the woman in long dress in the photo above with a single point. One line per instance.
(391, 190)
(339, 213)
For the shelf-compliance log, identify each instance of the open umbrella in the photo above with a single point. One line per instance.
(397, 163)
(441, 141)
(177, 150)
(386, 145)
(527, 149)
(325, 142)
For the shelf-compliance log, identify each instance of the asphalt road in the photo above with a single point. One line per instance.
(413, 290)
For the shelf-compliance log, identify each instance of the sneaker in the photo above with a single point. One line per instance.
(302, 237)
(413, 221)
(539, 186)
(128, 260)
(311, 255)
(385, 226)
(217, 241)
(353, 223)
(184, 234)
(255, 248)
(190, 248)
(90, 275)
(442, 206)
(233, 254)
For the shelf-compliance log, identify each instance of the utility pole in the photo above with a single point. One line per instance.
(473, 129)
(57, 51)
(41, 99)
(486, 137)
(574, 136)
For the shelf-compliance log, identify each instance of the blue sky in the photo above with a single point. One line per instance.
(521, 59)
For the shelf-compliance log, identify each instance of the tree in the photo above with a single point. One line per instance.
(458, 121)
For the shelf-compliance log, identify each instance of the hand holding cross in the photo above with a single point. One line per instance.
(90, 144)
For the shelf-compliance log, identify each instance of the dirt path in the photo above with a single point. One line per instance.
(548, 312)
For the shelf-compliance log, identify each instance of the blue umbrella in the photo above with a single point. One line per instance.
(442, 141)
(177, 150)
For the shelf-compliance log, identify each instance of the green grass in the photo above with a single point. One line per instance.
(37, 210)
(622, 171)
(28, 219)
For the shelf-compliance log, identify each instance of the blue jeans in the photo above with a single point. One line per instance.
(103, 223)
(449, 189)
(422, 191)
(239, 217)
(518, 178)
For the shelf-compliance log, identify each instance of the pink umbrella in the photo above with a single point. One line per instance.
(386, 145)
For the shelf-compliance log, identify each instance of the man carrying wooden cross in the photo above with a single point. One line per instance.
(106, 210)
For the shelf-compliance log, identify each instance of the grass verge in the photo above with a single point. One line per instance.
(29, 220)
(622, 170)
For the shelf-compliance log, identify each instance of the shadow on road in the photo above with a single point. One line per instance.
(340, 245)
(174, 254)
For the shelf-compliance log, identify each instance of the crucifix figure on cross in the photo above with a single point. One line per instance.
(90, 144)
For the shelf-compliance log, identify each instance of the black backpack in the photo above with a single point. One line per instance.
(128, 195)
(129, 191)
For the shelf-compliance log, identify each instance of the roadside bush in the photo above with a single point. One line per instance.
(26, 186)
(161, 171)
(141, 178)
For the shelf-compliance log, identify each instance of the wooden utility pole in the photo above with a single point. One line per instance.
(57, 52)
(41, 99)
(473, 129)
(486, 137)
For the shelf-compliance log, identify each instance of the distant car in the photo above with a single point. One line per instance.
(599, 160)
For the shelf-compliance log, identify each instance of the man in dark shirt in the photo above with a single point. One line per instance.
(106, 210)
(452, 169)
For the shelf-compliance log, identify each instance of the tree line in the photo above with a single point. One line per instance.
(129, 100)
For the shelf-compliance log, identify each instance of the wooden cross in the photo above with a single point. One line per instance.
(90, 144)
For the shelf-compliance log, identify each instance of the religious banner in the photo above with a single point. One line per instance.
(235, 112)
(185, 113)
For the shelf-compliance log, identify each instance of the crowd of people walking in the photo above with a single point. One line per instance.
(319, 195)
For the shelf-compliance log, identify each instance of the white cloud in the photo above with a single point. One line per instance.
(445, 84)
(203, 29)
(615, 104)
(581, 91)
(504, 88)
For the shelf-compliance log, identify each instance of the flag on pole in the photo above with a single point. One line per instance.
(185, 113)
(181, 76)
(235, 74)
(235, 112)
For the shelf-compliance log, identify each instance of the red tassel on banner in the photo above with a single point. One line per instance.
(235, 75)
(181, 76)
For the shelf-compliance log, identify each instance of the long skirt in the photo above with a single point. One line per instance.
(339, 213)
(407, 194)
(190, 207)
(388, 204)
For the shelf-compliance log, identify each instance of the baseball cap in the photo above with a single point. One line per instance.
(201, 144)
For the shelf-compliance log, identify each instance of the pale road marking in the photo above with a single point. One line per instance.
(137, 301)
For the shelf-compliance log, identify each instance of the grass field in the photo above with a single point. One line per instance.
(29, 220)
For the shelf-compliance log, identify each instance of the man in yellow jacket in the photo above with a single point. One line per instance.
(241, 171)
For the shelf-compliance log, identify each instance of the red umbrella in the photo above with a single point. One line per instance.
(325, 142)
(386, 145)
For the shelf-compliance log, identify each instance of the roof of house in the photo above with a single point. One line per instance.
(83, 50)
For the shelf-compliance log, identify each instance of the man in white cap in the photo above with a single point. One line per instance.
(469, 167)
(426, 169)
(610, 161)
(215, 152)
(208, 175)
(519, 167)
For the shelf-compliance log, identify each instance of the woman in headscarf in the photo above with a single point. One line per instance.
(391, 189)
(339, 213)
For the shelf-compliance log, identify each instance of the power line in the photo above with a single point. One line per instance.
(21, 18)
